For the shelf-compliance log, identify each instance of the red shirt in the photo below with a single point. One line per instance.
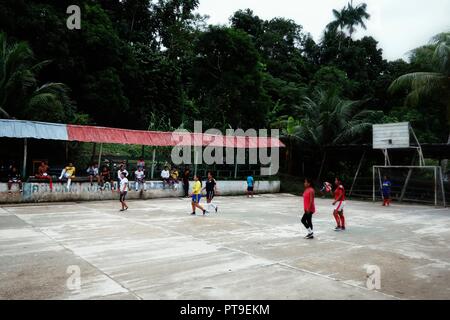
(340, 191)
(308, 200)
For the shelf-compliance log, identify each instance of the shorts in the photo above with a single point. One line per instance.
(339, 206)
(123, 195)
(210, 195)
(250, 189)
(196, 198)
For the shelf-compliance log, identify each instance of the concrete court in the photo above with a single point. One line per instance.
(252, 249)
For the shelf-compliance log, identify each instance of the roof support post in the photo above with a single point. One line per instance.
(25, 151)
(100, 155)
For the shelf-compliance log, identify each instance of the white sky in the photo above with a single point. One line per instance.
(398, 25)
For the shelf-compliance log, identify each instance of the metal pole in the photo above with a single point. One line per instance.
(235, 164)
(153, 162)
(357, 172)
(321, 166)
(195, 162)
(100, 155)
(381, 183)
(373, 183)
(25, 151)
(442, 186)
(435, 186)
(405, 185)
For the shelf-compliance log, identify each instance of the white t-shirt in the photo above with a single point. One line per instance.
(165, 174)
(92, 171)
(125, 172)
(124, 185)
(139, 174)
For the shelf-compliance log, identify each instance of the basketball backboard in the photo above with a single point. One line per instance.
(391, 135)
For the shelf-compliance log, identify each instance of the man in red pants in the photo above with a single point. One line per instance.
(339, 204)
(43, 174)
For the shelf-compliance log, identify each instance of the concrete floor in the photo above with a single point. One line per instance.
(252, 249)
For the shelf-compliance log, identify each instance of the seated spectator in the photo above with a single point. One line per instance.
(14, 177)
(93, 173)
(174, 176)
(105, 176)
(141, 164)
(165, 175)
(43, 174)
(68, 173)
(139, 176)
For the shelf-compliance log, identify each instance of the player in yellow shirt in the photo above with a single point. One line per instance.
(68, 173)
(197, 195)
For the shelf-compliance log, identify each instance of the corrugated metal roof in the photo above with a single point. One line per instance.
(32, 129)
(52, 131)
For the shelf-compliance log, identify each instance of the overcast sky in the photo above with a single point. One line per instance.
(398, 25)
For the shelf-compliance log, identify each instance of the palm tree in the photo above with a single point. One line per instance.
(436, 82)
(330, 120)
(18, 80)
(326, 120)
(349, 18)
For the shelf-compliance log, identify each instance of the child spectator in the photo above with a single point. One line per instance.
(139, 176)
(14, 177)
(93, 173)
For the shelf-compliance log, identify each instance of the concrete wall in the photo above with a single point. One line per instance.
(83, 191)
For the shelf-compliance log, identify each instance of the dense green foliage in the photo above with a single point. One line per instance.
(145, 64)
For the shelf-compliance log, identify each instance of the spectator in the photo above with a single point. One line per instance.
(43, 174)
(105, 176)
(250, 186)
(186, 181)
(174, 177)
(139, 176)
(141, 164)
(14, 177)
(68, 173)
(92, 171)
(165, 175)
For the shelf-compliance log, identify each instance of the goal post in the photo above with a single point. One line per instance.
(429, 188)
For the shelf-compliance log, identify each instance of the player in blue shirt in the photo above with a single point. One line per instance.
(250, 186)
(386, 189)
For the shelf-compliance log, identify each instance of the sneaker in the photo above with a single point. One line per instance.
(217, 208)
(343, 228)
(204, 212)
(122, 210)
(193, 214)
(310, 236)
(338, 228)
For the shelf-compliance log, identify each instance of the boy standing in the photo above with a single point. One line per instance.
(123, 191)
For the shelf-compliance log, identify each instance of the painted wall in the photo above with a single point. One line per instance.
(83, 191)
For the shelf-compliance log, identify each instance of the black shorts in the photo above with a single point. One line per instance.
(123, 195)
(210, 195)
(250, 189)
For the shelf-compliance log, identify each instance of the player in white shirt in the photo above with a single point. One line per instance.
(139, 176)
(123, 191)
(165, 175)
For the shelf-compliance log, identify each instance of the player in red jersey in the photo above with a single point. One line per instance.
(309, 207)
(339, 204)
